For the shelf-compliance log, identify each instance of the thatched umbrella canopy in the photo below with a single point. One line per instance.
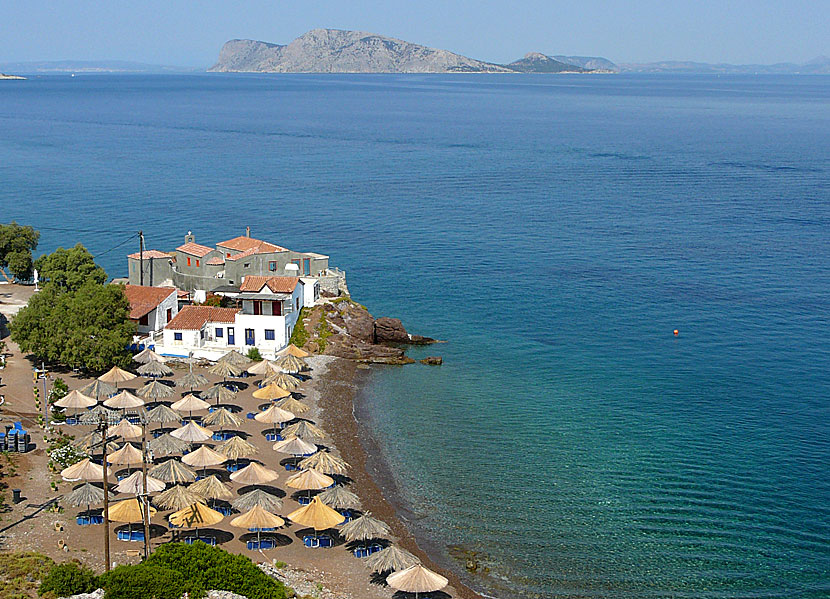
(125, 429)
(134, 484)
(161, 414)
(263, 367)
(293, 350)
(211, 488)
(128, 510)
(94, 416)
(155, 390)
(416, 579)
(148, 355)
(391, 559)
(98, 389)
(286, 381)
(272, 392)
(236, 447)
(293, 405)
(92, 441)
(126, 456)
(254, 474)
(167, 444)
(257, 518)
(258, 497)
(317, 515)
(76, 400)
(309, 480)
(190, 403)
(124, 401)
(204, 457)
(192, 380)
(195, 516)
(222, 418)
(192, 433)
(275, 416)
(292, 364)
(220, 393)
(340, 498)
(173, 471)
(116, 375)
(295, 446)
(364, 528)
(86, 469)
(87, 494)
(226, 369)
(176, 498)
(235, 358)
(323, 461)
(304, 430)
(153, 368)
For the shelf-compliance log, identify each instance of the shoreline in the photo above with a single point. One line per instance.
(339, 415)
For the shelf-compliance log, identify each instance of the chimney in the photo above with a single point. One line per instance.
(190, 237)
(247, 231)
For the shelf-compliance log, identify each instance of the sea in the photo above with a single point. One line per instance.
(631, 274)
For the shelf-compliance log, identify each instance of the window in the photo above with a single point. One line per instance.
(298, 303)
(306, 266)
(272, 265)
(177, 336)
(228, 255)
(197, 262)
(250, 339)
(144, 320)
(188, 260)
(169, 314)
(246, 265)
(269, 334)
(219, 332)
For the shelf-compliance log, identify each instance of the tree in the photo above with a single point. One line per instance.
(70, 269)
(17, 242)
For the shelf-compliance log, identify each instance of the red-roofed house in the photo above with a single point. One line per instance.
(151, 308)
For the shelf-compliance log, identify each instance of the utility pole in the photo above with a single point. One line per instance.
(102, 426)
(145, 503)
(141, 256)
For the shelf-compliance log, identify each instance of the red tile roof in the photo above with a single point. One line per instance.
(194, 249)
(216, 260)
(245, 254)
(255, 283)
(144, 300)
(149, 254)
(243, 243)
(194, 317)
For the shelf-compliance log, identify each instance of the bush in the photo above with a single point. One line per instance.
(253, 354)
(67, 579)
(148, 581)
(20, 573)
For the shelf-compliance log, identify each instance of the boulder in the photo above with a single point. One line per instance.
(432, 361)
(390, 330)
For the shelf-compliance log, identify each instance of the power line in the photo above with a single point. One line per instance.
(128, 240)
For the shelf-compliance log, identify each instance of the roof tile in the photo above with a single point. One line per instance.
(144, 300)
(195, 317)
(243, 243)
(148, 254)
(194, 249)
(255, 283)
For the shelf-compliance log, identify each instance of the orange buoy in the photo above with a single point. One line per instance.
(676, 332)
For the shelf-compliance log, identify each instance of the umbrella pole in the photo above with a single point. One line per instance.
(145, 512)
(103, 428)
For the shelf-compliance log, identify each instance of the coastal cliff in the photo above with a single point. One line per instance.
(337, 51)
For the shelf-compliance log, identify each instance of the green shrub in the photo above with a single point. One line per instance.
(21, 572)
(148, 581)
(253, 354)
(69, 578)
(299, 336)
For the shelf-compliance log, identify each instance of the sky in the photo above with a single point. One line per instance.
(191, 33)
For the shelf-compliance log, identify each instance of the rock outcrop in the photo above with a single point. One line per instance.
(337, 51)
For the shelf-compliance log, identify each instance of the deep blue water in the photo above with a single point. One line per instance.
(556, 230)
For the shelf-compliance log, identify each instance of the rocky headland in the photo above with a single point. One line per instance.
(4, 76)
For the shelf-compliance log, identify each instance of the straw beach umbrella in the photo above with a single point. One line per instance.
(317, 515)
(154, 368)
(86, 470)
(204, 457)
(155, 390)
(235, 358)
(116, 375)
(176, 498)
(134, 484)
(265, 500)
(257, 518)
(166, 445)
(190, 403)
(416, 579)
(391, 559)
(124, 401)
(87, 494)
(323, 461)
(125, 429)
(272, 392)
(162, 415)
(173, 471)
(293, 350)
(292, 364)
(295, 446)
(75, 400)
(237, 447)
(364, 528)
(220, 393)
(309, 480)
(211, 488)
(99, 389)
(286, 381)
(128, 510)
(226, 369)
(195, 516)
(94, 416)
(90, 441)
(304, 430)
(192, 433)
(126, 456)
(192, 380)
(275, 416)
(254, 474)
(222, 418)
(293, 405)
(340, 498)
(263, 367)
(148, 355)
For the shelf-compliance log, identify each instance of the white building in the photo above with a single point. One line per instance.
(268, 308)
(151, 308)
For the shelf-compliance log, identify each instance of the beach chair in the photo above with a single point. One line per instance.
(272, 437)
(315, 541)
(234, 467)
(71, 421)
(302, 500)
(224, 510)
(289, 466)
(374, 548)
(250, 415)
(347, 514)
(204, 539)
(361, 552)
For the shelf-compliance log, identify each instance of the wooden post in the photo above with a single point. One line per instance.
(145, 497)
(103, 428)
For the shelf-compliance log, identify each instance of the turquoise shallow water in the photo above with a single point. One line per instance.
(555, 230)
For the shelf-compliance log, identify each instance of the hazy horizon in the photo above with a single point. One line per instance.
(178, 34)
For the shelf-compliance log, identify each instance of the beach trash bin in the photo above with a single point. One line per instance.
(16, 498)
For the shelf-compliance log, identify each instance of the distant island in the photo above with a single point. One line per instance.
(126, 67)
(4, 76)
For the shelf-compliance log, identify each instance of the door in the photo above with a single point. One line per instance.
(306, 266)
(231, 336)
(169, 316)
(249, 337)
(257, 307)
